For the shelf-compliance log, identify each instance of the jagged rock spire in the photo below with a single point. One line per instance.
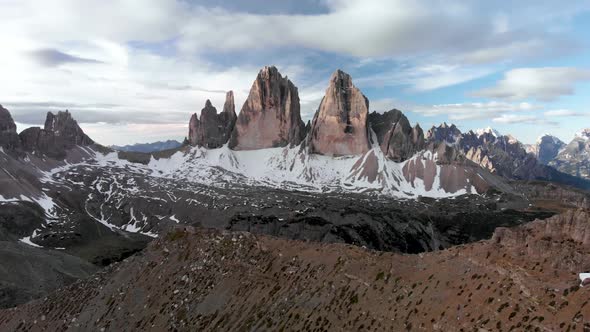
(340, 124)
(270, 117)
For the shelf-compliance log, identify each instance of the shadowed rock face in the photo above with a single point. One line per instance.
(340, 125)
(397, 139)
(8, 136)
(270, 116)
(61, 132)
(66, 129)
(213, 130)
(443, 133)
(546, 148)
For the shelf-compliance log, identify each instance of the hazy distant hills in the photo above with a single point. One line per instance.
(148, 147)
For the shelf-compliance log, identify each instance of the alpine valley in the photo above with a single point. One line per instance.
(356, 220)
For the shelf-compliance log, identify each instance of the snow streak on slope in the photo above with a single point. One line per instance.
(293, 168)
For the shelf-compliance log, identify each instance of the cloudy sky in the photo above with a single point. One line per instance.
(133, 71)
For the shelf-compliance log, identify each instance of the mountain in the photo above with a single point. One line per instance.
(340, 126)
(60, 134)
(574, 158)
(502, 155)
(213, 130)
(148, 147)
(524, 278)
(546, 148)
(270, 116)
(397, 139)
(8, 137)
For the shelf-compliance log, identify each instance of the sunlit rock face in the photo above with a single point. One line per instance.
(340, 125)
(270, 116)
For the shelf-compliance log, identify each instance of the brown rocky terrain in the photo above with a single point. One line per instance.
(270, 116)
(340, 125)
(523, 279)
(213, 130)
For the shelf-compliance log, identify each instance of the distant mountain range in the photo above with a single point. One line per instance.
(148, 147)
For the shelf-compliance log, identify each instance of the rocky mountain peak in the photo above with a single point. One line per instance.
(488, 131)
(60, 133)
(546, 148)
(443, 133)
(63, 125)
(229, 106)
(213, 130)
(270, 116)
(397, 139)
(340, 125)
(8, 136)
(583, 134)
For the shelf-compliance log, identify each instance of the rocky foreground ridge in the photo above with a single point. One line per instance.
(522, 279)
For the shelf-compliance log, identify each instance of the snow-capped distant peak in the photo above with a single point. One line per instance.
(511, 139)
(488, 130)
(584, 134)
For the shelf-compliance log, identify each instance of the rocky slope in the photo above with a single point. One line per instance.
(270, 116)
(522, 279)
(213, 130)
(340, 125)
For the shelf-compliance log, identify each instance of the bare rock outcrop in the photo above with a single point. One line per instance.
(213, 130)
(60, 133)
(8, 136)
(571, 225)
(397, 139)
(340, 125)
(270, 116)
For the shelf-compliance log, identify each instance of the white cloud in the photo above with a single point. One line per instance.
(546, 84)
(142, 60)
(521, 119)
(470, 111)
(564, 113)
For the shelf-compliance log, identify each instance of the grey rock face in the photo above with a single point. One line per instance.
(397, 139)
(270, 116)
(546, 148)
(574, 158)
(60, 133)
(213, 130)
(8, 136)
(444, 133)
